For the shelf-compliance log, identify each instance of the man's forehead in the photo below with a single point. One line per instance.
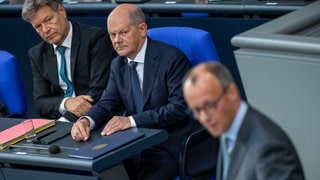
(41, 14)
(118, 28)
(118, 20)
(206, 80)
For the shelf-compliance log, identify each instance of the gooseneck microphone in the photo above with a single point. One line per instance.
(52, 149)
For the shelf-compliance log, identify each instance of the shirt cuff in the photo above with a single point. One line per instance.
(92, 124)
(132, 122)
(63, 119)
(62, 109)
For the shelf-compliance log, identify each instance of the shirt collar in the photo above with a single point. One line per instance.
(141, 54)
(232, 132)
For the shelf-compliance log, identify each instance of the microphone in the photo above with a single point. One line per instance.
(52, 149)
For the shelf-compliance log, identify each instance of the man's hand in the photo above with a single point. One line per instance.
(80, 130)
(115, 124)
(79, 105)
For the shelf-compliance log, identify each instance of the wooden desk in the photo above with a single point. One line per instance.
(104, 167)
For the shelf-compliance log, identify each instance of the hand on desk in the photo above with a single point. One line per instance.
(115, 124)
(79, 105)
(80, 130)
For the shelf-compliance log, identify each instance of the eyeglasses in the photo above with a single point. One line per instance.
(208, 106)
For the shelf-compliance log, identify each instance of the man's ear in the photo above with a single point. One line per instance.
(143, 29)
(62, 10)
(233, 92)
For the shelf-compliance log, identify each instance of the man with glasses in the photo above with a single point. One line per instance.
(145, 84)
(252, 146)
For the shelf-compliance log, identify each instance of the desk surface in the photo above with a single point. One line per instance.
(61, 160)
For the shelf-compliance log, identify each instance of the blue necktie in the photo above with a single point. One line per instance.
(135, 84)
(63, 72)
(225, 156)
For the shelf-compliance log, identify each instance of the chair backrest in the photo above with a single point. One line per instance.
(197, 44)
(12, 93)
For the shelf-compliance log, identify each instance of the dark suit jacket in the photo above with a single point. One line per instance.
(164, 106)
(91, 56)
(262, 151)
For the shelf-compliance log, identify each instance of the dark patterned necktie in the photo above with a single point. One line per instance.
(135, 84)
(63, 72)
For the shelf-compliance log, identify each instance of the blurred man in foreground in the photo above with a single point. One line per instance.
(252, 146)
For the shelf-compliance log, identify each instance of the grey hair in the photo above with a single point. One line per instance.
(30, 7)
(218, 70)
(137, 16)
(221, 73)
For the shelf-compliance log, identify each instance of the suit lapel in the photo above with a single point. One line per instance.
(75, 45)
(125, 82)
(150, 73)
(240, 148)
(51, 61)
(236, 160)
(235, 163)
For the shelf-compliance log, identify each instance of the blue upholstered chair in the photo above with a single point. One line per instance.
(12, 93)
(197, 44)
(199, 47)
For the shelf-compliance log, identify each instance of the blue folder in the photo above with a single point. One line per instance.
(106, 144)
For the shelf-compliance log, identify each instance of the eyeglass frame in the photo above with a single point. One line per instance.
(209, 106)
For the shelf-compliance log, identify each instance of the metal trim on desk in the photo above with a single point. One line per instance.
(274, 36)
(224, 8)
